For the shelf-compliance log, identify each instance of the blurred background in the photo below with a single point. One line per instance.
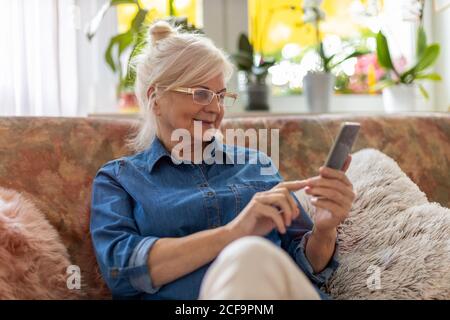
(71, 57)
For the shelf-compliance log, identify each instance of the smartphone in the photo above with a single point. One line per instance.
(342, 146)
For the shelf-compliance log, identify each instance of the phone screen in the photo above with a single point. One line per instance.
(342, 147)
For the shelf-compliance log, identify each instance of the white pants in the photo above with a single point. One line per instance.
(255, 268)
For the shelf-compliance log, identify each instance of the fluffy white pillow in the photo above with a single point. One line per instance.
(395, 244)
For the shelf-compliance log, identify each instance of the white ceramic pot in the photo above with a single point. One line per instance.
(318, 88)
(399, 98)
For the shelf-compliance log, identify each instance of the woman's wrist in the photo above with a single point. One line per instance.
(229, 233)
(328, 235)
(320, 247)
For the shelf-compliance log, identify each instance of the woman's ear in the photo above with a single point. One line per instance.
(151, 96)
(150, 92)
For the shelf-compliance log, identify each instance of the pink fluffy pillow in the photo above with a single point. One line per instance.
(33, 260)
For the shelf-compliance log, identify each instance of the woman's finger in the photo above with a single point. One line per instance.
(290, 198)
(292, 185)
(334, 174)
(271, 213)
(338, 185)
(336, 210)
(347, 163)
(279, 200)
(331, 194)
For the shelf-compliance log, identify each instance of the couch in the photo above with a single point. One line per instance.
(52, 161)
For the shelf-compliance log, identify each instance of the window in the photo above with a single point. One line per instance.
(192, 9)
(277, 29)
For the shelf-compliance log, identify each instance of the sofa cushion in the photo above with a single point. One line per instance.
(33, 260)
(395, 244)
(52, 161)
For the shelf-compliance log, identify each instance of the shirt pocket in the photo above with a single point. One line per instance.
(244, 192)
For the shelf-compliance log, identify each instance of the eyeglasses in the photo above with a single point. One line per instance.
(204, 96)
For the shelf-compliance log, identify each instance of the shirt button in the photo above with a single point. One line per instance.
(114, 273)
(210, 194)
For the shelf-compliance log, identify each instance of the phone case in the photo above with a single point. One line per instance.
(342, 145)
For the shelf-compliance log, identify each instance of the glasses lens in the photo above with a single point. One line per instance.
(203, 96)
(227, 101)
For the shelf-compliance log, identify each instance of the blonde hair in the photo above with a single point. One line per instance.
(172, 59)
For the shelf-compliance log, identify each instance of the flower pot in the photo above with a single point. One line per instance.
(128, 103)
(399, 98)
(318, 88)
(258, 95)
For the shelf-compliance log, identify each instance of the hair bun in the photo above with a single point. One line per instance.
(160, 30)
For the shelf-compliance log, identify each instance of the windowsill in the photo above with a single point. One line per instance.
(295, 105)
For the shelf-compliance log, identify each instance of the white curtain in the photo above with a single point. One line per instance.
(38, 58)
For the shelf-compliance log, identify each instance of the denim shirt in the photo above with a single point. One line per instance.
(139, 199)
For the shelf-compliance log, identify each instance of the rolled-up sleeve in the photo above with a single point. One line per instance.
(121, 251)
(294, 242)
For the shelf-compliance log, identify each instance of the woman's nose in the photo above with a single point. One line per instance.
(214, 106)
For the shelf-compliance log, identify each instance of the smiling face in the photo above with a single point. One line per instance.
(177, 110)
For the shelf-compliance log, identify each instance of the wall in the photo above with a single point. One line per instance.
(223, 21)
(441, 34)
(97, 83)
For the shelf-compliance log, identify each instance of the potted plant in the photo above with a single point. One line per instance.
(318, 85)
(125, 46)
(399, 90)
(255, 68)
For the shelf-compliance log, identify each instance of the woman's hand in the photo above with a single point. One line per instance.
(275, 208)
(333, 196)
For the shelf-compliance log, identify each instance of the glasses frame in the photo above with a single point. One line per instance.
(191, 91)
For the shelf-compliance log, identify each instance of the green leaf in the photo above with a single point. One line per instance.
(421, 41)
(94, 24)
(327, 62)
(117, 2)
(121, 41)
(138, 20)
(109, 56)
(243, 60)
(428, 58)
(424, 92)
(324, 59)
(260, 71)
(383, 84)
(124, 41)
(384, 57)
(353, 55)
(140, 41)
(430, 76)
(244, 44)
(408, 76)
(139, 44)
(267, 62)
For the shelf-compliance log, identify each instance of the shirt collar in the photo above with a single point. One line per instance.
(156, 151)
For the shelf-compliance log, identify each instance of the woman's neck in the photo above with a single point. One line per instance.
(186, 149)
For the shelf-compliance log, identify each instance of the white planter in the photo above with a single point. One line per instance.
(318, 89)
(399, 98)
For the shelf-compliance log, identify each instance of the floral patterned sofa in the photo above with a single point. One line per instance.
(53, 161)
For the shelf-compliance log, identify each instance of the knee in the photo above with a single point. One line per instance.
(250, 249)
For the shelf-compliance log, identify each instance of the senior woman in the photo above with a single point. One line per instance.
(166, 229)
